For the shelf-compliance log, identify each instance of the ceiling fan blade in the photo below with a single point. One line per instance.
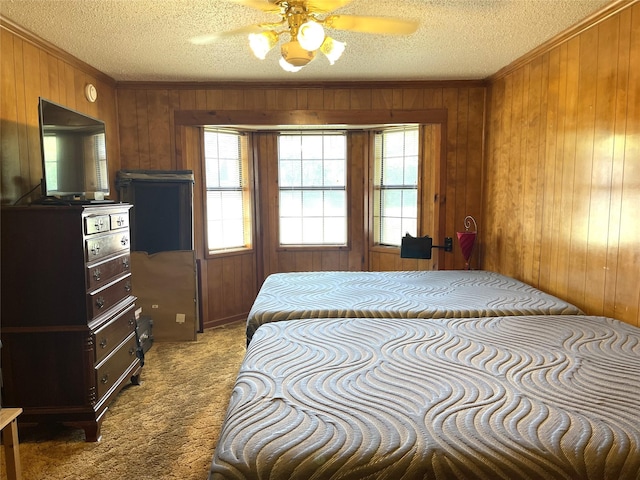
(379, 25)
(212, 37)
(264, 5)
(325, 6)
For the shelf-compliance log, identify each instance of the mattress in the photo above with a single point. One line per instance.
(407, 294)
(536, 397)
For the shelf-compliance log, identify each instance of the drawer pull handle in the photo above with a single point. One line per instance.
(100, 302)
(105, 379)
(127, 287)
(124, 241)
(132, 352)
(125, 263)
(97, 275)
(95, 249)
(103, 343)
(132, 322)
(120, 221)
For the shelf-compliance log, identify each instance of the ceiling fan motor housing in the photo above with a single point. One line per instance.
(294, 54)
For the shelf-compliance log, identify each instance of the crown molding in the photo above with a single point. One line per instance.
(48, 47)
(328, 85)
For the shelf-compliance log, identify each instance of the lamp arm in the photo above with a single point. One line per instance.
(448, 244)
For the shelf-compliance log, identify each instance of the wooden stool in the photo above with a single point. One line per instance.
(9, 428)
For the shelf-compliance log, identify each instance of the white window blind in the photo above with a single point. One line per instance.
(228, 219)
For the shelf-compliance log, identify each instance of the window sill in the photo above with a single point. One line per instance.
(229, 252)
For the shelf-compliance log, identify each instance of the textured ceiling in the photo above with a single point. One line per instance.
(148, 40)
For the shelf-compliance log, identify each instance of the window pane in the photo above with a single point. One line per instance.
(291, 231)
(335, 203)
(410, 204)
(334, 174)
(211, 172)
(311, 167)
(411, 170)
(312, 204)
(391, 203)
(392, 231)
(312, 230)
(229, 173)
(290, 173)
(335, 146)
(290, 203)
(312, 147)
(228, 146)
(312, 175)
(393, 171)
(289, 147)
(335, 231)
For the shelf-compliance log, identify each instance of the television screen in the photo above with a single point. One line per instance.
(74, 154)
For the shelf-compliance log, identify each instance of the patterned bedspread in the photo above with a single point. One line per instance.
(408, 294)
(536, 397)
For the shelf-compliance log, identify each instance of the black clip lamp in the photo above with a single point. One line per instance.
(420, 247)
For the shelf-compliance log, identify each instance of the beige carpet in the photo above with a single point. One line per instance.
(165, 428)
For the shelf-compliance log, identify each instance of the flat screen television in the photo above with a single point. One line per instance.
(74, 154)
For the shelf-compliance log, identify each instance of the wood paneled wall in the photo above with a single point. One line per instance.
(31, 69)
(563, 170)
(151, 138)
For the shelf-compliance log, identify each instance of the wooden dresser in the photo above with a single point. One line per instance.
(68, 312)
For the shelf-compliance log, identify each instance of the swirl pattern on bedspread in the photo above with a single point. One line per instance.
(534, 397)
(407, 294)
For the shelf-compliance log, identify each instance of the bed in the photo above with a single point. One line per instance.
(406, 294)
(537, 397)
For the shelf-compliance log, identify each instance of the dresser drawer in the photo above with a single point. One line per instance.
(109, 371)
(96, 224)
(113, 333)
(119, 220)
(100, 273)
(105, 245)
(101, 300)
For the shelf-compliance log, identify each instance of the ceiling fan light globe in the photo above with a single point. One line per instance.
(332, 49)
(287, 67)
(311, 35)
(294, 54)
(261, 43)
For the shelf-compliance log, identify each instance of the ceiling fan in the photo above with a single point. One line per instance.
(302, 23)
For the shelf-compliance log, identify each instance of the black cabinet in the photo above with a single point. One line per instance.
(162, 213)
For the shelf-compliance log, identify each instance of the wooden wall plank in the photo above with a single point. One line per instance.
(10, 168)
(601, 188)
(617, 171)
(584, 165)
(627, 301)
(127, 126)
(160, 131)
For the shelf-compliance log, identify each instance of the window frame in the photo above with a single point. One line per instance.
(420, 187)
(316, 247)
(248, 192)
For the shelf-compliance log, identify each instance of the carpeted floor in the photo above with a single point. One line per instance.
(165, 428)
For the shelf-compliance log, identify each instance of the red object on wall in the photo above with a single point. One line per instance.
(467, 240)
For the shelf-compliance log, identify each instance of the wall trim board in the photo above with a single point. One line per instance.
(613, 8)
(328, 85)
(308, 117)
(43, 44)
